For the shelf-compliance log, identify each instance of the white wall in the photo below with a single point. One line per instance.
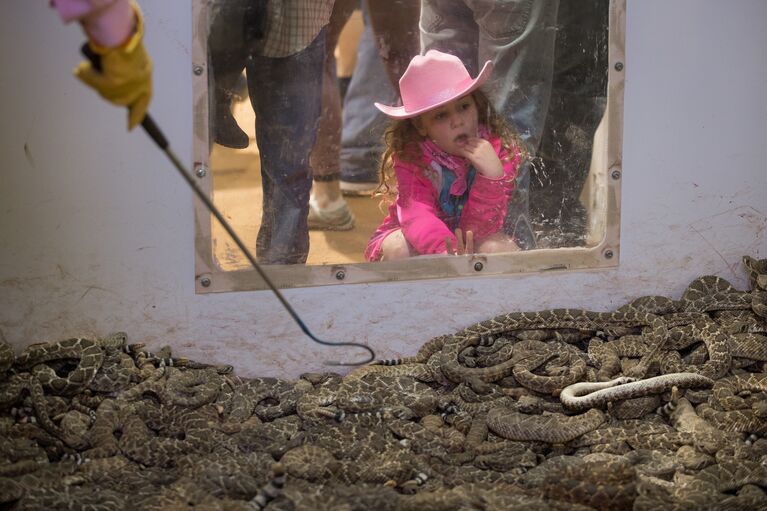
(97, 231)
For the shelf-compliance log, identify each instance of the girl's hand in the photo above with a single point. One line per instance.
(481, 154)
(461, 247)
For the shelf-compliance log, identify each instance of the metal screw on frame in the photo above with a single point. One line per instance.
(609, 254)
(197, 69)
(616, 174)
(201, 171)
(205, 282)
(619, 66)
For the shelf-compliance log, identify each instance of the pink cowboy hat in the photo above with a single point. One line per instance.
(432, 80)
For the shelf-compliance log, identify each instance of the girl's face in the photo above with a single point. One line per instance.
(451, 125)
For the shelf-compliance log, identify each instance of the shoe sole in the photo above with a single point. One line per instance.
(322, 226)
(357, 189)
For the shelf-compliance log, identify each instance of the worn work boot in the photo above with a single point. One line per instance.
(226, 131)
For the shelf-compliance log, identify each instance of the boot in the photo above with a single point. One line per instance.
(226, 131)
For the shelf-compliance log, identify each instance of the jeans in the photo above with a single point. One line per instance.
(363, 124)
(286, 95)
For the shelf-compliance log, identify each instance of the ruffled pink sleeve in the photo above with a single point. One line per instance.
(486, 206)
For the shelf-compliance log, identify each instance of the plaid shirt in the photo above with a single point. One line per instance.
(293, 24)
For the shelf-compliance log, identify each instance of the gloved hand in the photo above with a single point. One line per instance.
(125, 77)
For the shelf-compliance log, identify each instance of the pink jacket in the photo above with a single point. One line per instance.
(417, 211)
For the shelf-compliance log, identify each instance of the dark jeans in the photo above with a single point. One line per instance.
(234, 25)
(286, 94)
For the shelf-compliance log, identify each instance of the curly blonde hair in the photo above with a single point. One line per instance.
(402, 137)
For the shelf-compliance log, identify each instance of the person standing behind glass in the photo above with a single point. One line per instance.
(284, 71)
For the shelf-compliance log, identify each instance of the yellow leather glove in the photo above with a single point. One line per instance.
(125, 78)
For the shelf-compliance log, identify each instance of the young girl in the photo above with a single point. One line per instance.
(454, 161)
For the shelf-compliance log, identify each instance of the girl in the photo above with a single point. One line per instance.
(454, 161)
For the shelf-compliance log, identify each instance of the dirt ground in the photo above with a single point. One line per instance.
(237, 193)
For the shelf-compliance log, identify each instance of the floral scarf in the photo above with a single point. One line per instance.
(456, 177)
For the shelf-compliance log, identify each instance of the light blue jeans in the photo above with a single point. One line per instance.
(363, 124)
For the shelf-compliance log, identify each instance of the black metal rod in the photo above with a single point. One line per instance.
(214, 210)
(156, 134)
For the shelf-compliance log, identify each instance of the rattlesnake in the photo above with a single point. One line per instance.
(715, 340)
(556, 318)
(705, 436)
(88, 352)
(551, 428)
(598, 394)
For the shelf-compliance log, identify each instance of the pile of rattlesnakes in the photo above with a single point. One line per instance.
(657, 405)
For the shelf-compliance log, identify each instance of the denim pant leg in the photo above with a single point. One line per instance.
(578, 98)
(519, 37)
(363, 124)
(449, 26)
(286, 94)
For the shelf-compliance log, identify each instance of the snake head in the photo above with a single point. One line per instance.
(409, 487)
(398, 412)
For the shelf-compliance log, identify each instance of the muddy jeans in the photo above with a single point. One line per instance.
(286, 94)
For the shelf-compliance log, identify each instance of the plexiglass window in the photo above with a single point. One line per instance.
(357, 141)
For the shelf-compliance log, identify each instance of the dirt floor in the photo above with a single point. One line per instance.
(237, 192)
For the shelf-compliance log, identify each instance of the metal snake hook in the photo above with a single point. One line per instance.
(158, 137)
(212, 208)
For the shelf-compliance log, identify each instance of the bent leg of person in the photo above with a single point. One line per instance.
(227, 54)
(395, 247)
(328, 209)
